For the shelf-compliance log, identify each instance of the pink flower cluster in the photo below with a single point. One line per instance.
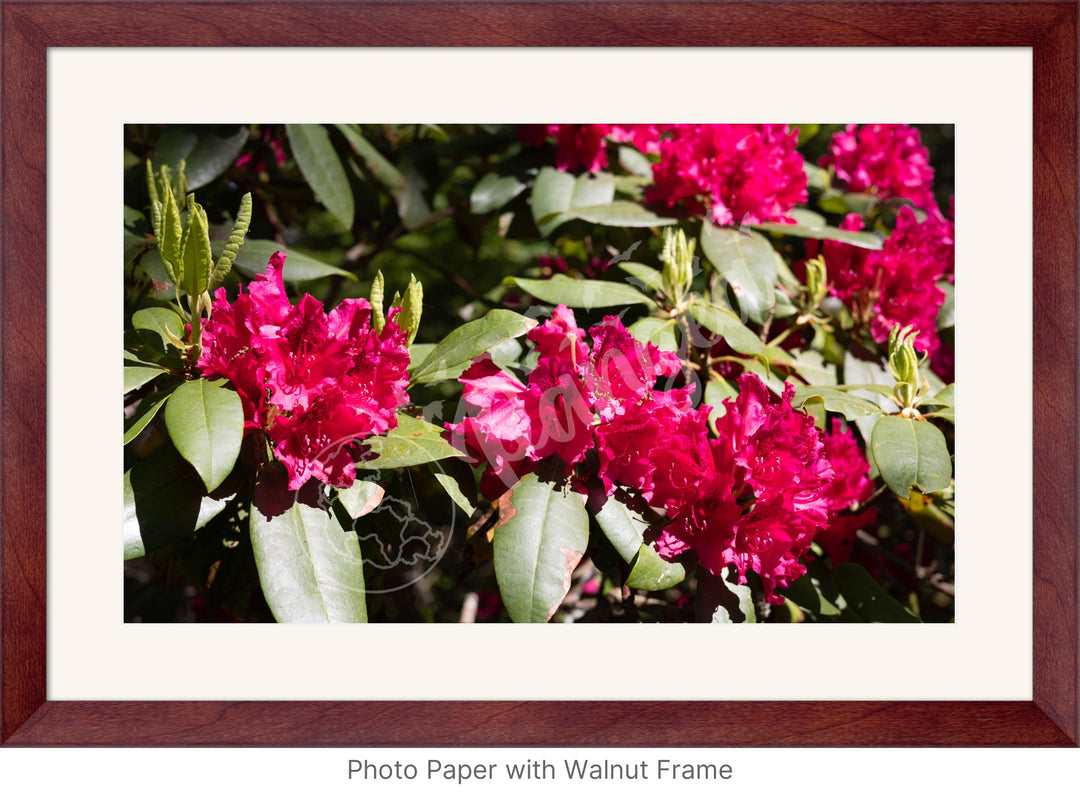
(898, 284)
(314, 382)
(889, 160)
(739, 173)
(754, 497)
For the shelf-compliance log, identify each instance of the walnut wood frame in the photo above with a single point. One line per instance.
(28, 718)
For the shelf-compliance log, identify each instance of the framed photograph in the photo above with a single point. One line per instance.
(72, 674)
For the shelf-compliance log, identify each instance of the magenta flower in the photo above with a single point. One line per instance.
(579, 146)
(760, 492)
(851, 485)
(317, 384)
(737, 173)
(888, 160)
(898, 284)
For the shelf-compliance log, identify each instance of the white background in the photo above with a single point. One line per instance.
(987, 654)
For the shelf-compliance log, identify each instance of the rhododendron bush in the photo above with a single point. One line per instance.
(566, 372)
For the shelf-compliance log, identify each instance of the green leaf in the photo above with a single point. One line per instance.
(174, 145)
(255, 256)
(232, 246)
(650, 571)
(413, 442)
(158, 319)
(624, 528)
(212, 155)
(456, 351)
(657, 331)
(206, 424)
(911, 453)
(581, 293)
(846, 404)
(135, 376)
(947, 314)
(716, 391)
(148, 408)
(492, 192)
(809, 225)
(361, 498)
(868, 599)
(556, 194)
(634, 161)
(197, 256)
(625, 214)
(807, 594)
(726, 324)
(946, 397)
(412, 208)
(385, 172)
(322, 169)
(747, 262)
(310, 568)
(722, 602)
(452, 483)
(542, 533)
(647, 276)
(163, 502)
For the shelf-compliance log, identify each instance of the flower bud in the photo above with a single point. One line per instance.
(904, 364)
(678, 258)
(412, 308)
(817, 283)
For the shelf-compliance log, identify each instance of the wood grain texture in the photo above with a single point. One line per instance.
(1050, 29)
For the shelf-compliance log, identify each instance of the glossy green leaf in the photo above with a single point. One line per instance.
(135, 376)
(492, 192)
(650, 571)
(644, 276)
(581, 293)
(456, 351)
(539, 540)
(556, 194)
(148, 408)
(720, 601)
(385, 172)
(808, 595)
(945, 397)
(457, 480)
(322, 169)
(255, 256)
(868, 599)
(657, 331)
(911, 453)
(206, 424)
(726, 324)
(625, 214)
(212, 155)
(716, 391)
(158, 319)
(413, 442)
(310, 567)
(809, 225)
(624, 528)
(163, 502)
(747, 262)
(634, 161)
(361, 498)
(850, 406)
